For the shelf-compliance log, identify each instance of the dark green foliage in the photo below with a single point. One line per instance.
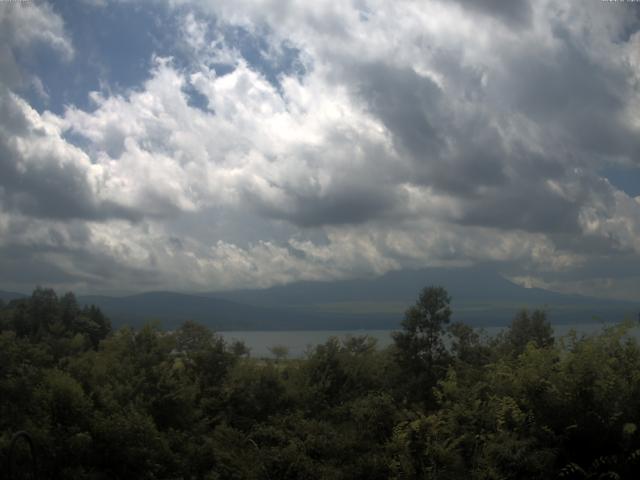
(420, 349)
(468, 346)
(56, 322)
(527, 328)
(151, 404)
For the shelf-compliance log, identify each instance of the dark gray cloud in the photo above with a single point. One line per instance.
(574, 100)
(414, 110)
(409, 105)
(572, 94)
(10, 73)
(465, 155)
(25, 266)
(475, 161)
(527, 207)
(49, 183)
(50, 191)
(343, 203)
(516, 13)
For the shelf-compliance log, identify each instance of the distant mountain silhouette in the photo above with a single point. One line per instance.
(464, 284)
(8, 296)
(172, 309)
(480, 297)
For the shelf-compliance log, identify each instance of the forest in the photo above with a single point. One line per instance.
(443, 401)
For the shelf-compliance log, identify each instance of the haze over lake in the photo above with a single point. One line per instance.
(300, 342)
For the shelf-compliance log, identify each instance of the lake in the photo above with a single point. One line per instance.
(298, 341)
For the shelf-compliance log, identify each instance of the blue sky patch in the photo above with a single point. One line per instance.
(626, 179)
(114, 48)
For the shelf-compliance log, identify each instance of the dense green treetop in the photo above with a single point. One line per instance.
(443, 402)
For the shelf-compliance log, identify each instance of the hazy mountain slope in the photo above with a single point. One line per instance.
(171, 309)
(8, 296)
(479, 296)
(463, 284)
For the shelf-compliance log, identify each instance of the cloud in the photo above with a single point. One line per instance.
(26, 26)
(277, 152)
(327, 140)
(43, 175)
(23, 28)
(516, 13)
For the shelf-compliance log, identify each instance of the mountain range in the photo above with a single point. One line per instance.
(480, 297)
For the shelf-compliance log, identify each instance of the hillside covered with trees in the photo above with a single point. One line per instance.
(443, 402)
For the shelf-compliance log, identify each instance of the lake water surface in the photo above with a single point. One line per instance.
(299, 341)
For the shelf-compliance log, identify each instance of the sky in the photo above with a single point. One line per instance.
(211, 145)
